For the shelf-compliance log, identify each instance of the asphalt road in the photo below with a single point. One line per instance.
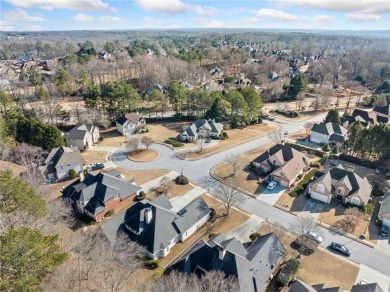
(198, 172)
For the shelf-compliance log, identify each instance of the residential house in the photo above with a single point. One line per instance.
(187, 85)
(148, 91)
(300, 286)
(201, 128)
(216, 72)
(104, 55)
(96, 194)
(384, 210)
(130, 124)
(283, 163)
(273, 76)
(82, 136)
(157, 228)
(60, 161)
(348, 121)
(369, 117)
(340, 184)
(213, 86)
(253, 266)
(244, 82)
(326, 133)
(382, 114)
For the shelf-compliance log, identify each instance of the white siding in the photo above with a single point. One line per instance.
(119, 128)
(195, 227)
(320, 197)
(63, 171)
(318, 138)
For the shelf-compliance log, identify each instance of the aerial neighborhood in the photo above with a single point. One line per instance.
(193, 160)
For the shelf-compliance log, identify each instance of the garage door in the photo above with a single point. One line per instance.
(319, 197)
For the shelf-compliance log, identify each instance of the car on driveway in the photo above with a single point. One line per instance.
(97, 166)
(384, 231)
(340, 248)
(271, 185)
(314, 236)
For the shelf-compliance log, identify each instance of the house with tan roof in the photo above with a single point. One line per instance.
(283, 163)
(130, 124)
(340, 184)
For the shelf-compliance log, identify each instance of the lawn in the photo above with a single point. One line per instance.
(112, 138)
(144, 155)
(319, 267)
(292, 204)
(94, 157)
(54, 190)
(141, 176)
(248, 180)
(174, 191)
(236, 137)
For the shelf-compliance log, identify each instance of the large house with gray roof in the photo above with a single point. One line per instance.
(340, 184)
(253, 266)
(60, 161)
(82, 136)
(131, 123)
(326, 133)
(283, 163)
(154, 225)
(300, 286)
(96, 194)
(201, 128)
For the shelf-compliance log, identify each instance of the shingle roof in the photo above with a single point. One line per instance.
(211, 125)
(132, 117)
(61, 156)
(372, 287)
(384, 110)
(384, 210)
(252, 266)
(329, 129)
(77, 132)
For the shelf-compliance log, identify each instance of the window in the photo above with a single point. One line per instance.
(340, 191)
(320, 188)
(116, 197)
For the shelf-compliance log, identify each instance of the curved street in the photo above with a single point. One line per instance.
(198, 172)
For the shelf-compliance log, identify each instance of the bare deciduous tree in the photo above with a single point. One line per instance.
(276, 136)
(351, 219)
(147, 141)
(132, 143)
(308, 127)
(235, 162)
(300, 227)
(229, 195)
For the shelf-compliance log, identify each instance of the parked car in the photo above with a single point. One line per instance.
(335, 162)
(271, 185)
(340, 248)
(314, 236)
(384, 231)
(97, 166)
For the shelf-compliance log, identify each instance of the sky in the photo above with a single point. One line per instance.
(37, 15)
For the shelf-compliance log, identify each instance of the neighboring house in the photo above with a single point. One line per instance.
(216, 72)
(348, 121)
(96, 194)
(201, 128)
(104, 55)
(153, 224)
(60, 161)
(82, 136)
(244, 82)
(384, 211)
(187, 85)
(148, 91)
(300, 286)
(253, 266)
(273, 76)
(382, 114)
(340, 184)
(330, 132)
(284, 164)
(130, 124)
(213, 86)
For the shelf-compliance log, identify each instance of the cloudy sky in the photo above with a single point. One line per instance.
(134, 14)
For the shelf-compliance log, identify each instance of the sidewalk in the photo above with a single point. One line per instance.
(243, 231)
(179, 202)
(150, 185)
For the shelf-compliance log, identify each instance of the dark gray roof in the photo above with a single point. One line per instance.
(252, 266)
(61, 156)
(77, 132)
(337, 138)
(300, 286)
(372, 287)
(97, 189)
(329, 129)
(287, 153)
(133, 117)
(384, 110)
(211, 125)
(385, 206)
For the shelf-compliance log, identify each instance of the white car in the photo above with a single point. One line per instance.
(314, 236)
(271, 185)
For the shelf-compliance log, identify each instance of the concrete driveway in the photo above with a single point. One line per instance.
(383, 244)
(373, 276)
(313, 208)
(243, 231)
(271, 196)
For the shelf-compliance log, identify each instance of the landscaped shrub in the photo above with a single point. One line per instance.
(212, 234)
(73, 174)
(300, 188)
(288, 271)
(153, 264)
(225, 135)
(290, 114)
(174, 143)
(182, 180)
(306, 245)
(336, 149)
(213, 215)
(310, 150)
(326, 148)
(254, 236)
(300, 176)
(141, 196)
(315, 164)
(101, 138)
(110, 213)
(377, 192)
(368, 209)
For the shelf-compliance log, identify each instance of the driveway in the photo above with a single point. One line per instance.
(179, 203)
(373, 276)
(313, 208)
(271, 196)
(383, 244)
(243, 231)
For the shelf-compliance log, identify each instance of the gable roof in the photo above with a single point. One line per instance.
(252, 266)
(357, 186)
(79, 132)
(211, 125)
(300, 286)
(329, 129)
(384, 210)
(96, 189)
(132, 117)
(62, 156)
(372, 287)
(384, 110)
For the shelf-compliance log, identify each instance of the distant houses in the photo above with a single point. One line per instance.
(131, 123)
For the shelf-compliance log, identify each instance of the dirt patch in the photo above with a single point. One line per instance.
(144, 155)
(313, 273)
(159, 132)
(175, 190)
(141, 176)
(94, 157)
(54, 190)
(236, 137)
(247, 179)
(112, 138)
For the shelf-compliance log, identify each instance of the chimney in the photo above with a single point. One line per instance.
(222, 252)
(148, 215)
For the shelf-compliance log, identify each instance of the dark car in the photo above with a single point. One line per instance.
(340, 248)
(384, 231)
(97, 166)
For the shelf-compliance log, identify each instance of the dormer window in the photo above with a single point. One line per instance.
(116, 197)
(340, 190)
